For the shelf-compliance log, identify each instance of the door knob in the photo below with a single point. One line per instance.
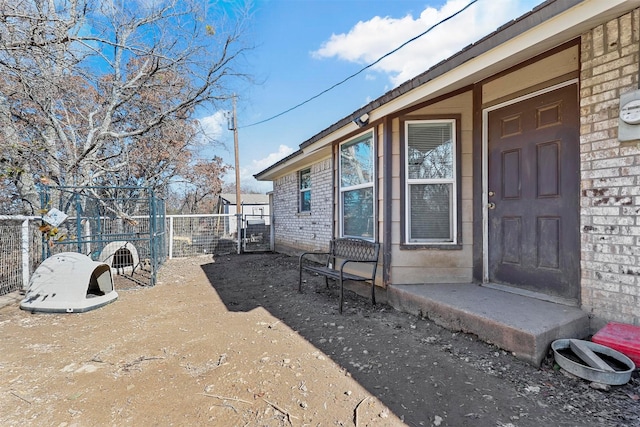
(491, 193)
(491, 205)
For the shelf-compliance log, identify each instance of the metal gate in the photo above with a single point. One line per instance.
(217, 234)
(122, 226)
(201, 234)
(256, 233)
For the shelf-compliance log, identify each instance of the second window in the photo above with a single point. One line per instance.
(431, 207)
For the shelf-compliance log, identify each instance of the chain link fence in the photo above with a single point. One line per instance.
(192, 235)
(20, 252)
(125, 245)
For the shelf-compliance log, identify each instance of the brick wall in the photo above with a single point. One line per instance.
(610, 183)
(303, 231)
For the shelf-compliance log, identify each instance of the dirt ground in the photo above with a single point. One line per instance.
(227, 341)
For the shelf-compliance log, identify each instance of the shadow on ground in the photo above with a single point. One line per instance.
(425, 374)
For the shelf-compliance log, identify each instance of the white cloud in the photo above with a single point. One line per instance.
(367, 41)
(214, 125)
(262, 164)
(246, 172)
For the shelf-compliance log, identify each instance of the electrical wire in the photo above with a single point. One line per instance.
(362, 69)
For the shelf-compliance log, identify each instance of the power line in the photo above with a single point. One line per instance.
(364, 68)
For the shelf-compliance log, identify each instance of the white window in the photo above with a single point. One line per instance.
(357, 187)
(305, 190)
(431, 199)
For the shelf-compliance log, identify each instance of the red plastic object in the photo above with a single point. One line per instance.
(621, 337)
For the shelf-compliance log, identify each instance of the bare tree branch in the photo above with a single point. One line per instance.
(98, 92)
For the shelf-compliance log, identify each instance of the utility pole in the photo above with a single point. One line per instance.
(237, 155)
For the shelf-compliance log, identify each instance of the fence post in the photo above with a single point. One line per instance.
(153, 249)
(239, 227)
(25, 255)
(79, 221)
(170, 237)
(87, 237)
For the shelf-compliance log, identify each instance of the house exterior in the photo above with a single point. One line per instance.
(506, 165)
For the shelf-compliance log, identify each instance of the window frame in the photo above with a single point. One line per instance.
(368, 135)
(301, 190)
(454, 241)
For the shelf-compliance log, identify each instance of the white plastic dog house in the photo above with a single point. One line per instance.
(121, 256)
(68, 283)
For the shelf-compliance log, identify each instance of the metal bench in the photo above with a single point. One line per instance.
(343, 251)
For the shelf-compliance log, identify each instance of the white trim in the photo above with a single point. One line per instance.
(453, 209)
(485, 165)
(372, 184)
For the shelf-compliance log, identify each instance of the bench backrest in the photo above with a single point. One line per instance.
(355, 249)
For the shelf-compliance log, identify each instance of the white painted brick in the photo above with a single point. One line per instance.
(305, 231)
(624, 181)
(594, 117)
(631, 171)
(631, 191)
(613, 162)
(599, 154)
(630, 150)
(608, 107)
(617, 281)
(625, 244)
(630, 290)
(610, 70)
(600, 173)
(631, 231)
(610, 173)
(603, 295)
(601, 192)
(605, 125)
(601, 97)
(614, 259)
(612, 220)
(626, 30)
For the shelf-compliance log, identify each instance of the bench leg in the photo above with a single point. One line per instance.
(373, 292)
(341, 293)
(300, 277)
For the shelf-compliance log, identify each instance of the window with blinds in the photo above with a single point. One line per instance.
(430, 181)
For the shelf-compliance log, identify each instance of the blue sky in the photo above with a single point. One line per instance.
(303, 47)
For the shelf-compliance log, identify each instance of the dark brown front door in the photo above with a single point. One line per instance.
(533, 189)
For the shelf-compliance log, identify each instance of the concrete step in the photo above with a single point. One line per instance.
(520, 324)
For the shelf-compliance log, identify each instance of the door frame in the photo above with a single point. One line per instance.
(485, 164)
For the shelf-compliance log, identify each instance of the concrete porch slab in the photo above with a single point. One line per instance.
(520, 324)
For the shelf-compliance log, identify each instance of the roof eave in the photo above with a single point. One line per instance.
(546, 26)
